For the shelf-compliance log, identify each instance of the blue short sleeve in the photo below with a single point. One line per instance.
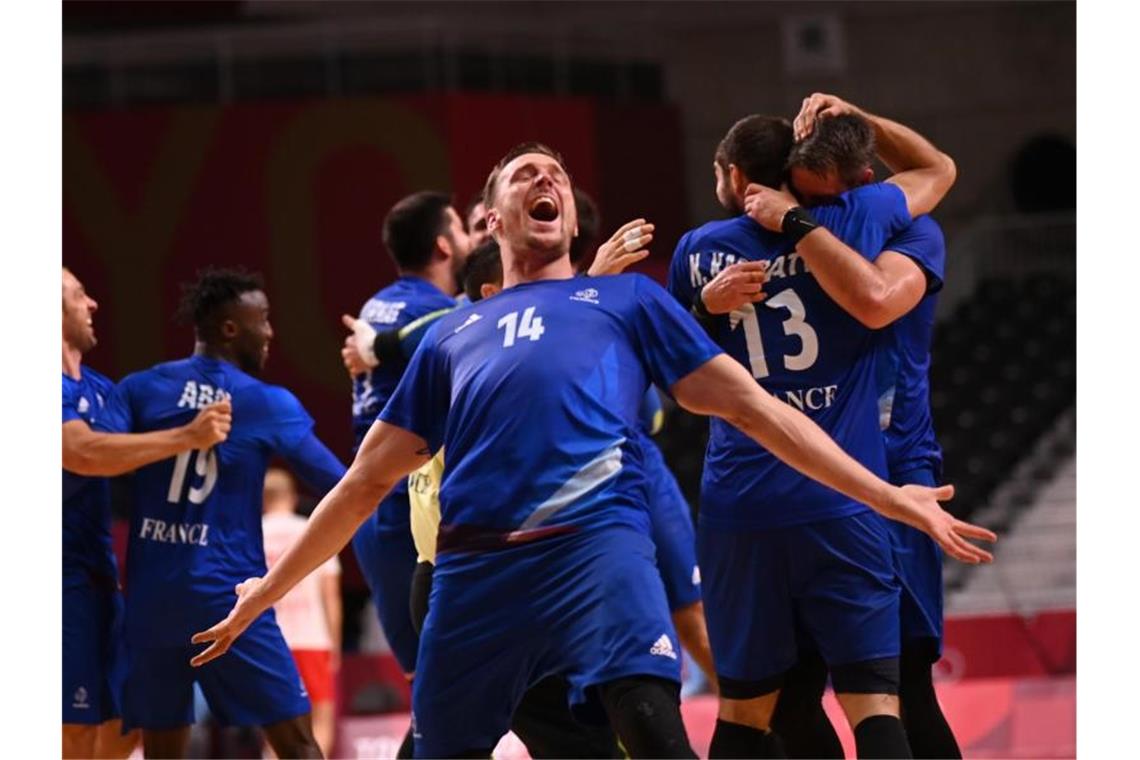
(680, 283)
(70, 400)
(923, 242)
(117, 415)
(421, 401)
(289, 423)
(672, 344)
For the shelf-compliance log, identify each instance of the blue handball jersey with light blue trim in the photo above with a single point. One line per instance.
(536, 395)
(87, 500)
(910, 434)
(802, 348)
(196, 517)
(394, 306)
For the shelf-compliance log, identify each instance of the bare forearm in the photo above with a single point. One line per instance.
(850, 280)
(88, 452)
(901, 148)
(694, 634)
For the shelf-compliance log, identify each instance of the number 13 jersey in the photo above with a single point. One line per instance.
(801, 347)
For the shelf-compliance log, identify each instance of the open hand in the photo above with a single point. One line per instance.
(818, 106)
(223, 635)
(625, 247)
(211, 426)
(918, 507)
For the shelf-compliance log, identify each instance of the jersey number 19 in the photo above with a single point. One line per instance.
(205, 465)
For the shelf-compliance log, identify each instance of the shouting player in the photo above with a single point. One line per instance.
(544, 561)
(196, 526)
(92, 604)
(777, 551)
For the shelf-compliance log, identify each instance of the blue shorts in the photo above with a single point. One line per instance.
(918, 561)
(255, 683)
(673, 532)
(589, 606)
(386, 554)
(93, 649)
(833, 580)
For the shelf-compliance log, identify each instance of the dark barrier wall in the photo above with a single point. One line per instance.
(298, 190)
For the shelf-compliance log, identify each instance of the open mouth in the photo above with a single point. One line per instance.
(543, 209)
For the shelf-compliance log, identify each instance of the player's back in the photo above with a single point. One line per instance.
(801, 347)
(910, 439)
(536, 394)
(86, 500)
(393, 306)
(196, 519)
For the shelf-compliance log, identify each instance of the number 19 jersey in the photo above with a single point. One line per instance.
(802, 348)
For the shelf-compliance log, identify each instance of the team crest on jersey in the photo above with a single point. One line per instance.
(589, 295)
(83, 405)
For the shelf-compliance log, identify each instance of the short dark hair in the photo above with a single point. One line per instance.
(213, 289)
(411, 227)
(759, 146)
(519, 150)
(844, 143)
(584, 246)
(483, 265)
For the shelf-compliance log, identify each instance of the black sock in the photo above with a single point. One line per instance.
(881, 736)
(645, 713)
(734, 740)
(799, 718)
(926, 727)
(407, 747)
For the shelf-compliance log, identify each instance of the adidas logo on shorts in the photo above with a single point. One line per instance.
(663, 647)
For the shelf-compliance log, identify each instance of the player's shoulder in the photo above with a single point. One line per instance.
(876, 196)
(96, 378)
(716, 231)
(926, 227)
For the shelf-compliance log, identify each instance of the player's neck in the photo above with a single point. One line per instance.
(221, 353)
(72, 358)
(532, 268)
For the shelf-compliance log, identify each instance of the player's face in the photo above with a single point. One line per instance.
(534, 207)
(78, 308)
(724, 192)
(477, 225)
(812, 188)
(251, 330)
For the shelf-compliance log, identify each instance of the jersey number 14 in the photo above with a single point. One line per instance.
(529, 326)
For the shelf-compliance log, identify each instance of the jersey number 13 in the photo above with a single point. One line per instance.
(793, 325)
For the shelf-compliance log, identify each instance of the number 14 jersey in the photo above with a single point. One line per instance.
(802, 348)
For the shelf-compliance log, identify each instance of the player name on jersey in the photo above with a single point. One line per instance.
(174, 533)
(200, 395)
(786, 265)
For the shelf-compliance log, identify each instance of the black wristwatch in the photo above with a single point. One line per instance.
(798, 222)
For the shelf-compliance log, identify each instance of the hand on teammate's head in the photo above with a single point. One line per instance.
(817, 106)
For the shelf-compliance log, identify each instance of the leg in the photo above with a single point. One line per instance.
(165, 743)
(293, 738)
(546, 726)
(324, 726)
(645, 712)
(929, 733)
(78, 741)
(868, 693)
(799, 718)
(111, 743)
(744, 719)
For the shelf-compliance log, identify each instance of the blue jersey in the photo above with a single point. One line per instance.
(802, 348)
(536, 395)
(910, 432)
(86, 500)
(393, 307)
(196, 521)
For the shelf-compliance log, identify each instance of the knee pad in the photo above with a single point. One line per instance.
(867, 677)
(735, 688)
(645, 712)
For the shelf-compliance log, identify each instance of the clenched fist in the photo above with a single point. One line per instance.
(211, 426)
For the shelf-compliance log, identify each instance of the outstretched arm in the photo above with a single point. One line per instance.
(874, 292)
(723, 388)
(386, 456)
(924, 173)
(98, 454)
